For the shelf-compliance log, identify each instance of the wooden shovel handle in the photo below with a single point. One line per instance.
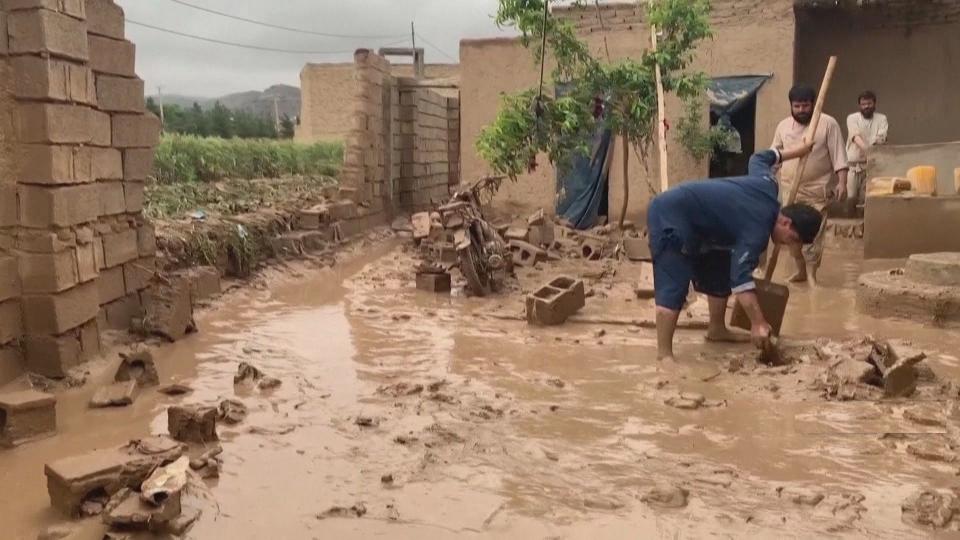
(810, 135)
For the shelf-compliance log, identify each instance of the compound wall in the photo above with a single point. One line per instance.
(75, 149)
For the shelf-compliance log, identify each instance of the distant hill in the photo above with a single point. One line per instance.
(259, 103)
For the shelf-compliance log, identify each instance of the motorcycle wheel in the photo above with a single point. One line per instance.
(478, 281)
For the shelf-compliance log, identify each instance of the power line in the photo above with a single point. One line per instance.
(280, 27)
(438, 49)
(243, 45)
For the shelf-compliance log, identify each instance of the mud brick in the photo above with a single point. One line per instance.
(146, 240)
(86, 263)
(43, 207)
(120, 247)
(343, 209)
(27, 416)
(47, 32)
(11, 362)
(11, 324)
(112, 56)
(49, 272)
(90, 339)
(98, 253)
(637, 249)
(9, 202)
(137, 274)
(541, 235)
(138, 366)
(555, 302)
(53, 165)
(433, 282)
(191, 423)
(62, 123)
(107, 164)
(120, 313)
(133, 194)
(57, 313)
(9, 278)
(52, 356)
(138, 163)
(46, 78)
(71, 480)
(119, 94)
(111, 284)
(111, 198)
(118, 394)
(313, 218)
(105, 18)
(136, 130)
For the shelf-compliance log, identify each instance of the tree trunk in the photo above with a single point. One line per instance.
(626, 180)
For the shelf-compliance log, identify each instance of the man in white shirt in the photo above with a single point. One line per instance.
(865, 129)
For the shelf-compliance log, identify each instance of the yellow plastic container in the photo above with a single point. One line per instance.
(887, 185)
(923, 179)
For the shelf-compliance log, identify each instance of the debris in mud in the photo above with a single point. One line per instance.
(57, 532)
(128, 511)
(358, 510)
(175, 389)
(400, 389)
(555, 302)
(666, 496)
(248, 375)
(386, 479)
(896, 361)
(94, 505)
(931, 508)
(868, 369)
(367, 421)
(433, 279)
(721, 478)
(556, 382)
(208, 464)
(801, 496)
(931, 450)
(118, 394)
(603, 503)
(192, 423)
(925, 415)
(231, 411)
(169, 310)
(138, 366)
(165, 482)
(691, 401)
(405, 439)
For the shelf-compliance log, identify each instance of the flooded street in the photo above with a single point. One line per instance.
(404, 414)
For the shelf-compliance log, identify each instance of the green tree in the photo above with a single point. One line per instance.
(220, 121)
(533, 121)
(287, 128)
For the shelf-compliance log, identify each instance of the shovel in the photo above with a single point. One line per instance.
(771, 296)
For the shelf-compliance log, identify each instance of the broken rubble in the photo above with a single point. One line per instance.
(169, 311)
(192, 423)
(248, 374)
(27, 416)
(896, 360)
(420, 222)
(637, 248)
(138, 366)
(127, 511)
(231, 411)
(119, 394)
(930, 508)
(434, 282)
(165, 482)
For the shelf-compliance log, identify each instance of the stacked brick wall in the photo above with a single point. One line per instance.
(79, 148)
(365, 165)
(453, 140)
(423, 144)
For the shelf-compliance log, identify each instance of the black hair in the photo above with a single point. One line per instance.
(801, 93)
(805, 220)
(867, 94)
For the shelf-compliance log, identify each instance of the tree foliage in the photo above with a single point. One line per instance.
(619, 95)
(217, 121)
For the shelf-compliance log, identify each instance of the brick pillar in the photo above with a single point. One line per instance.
(453, 141)
(366, 161)
(82, 147)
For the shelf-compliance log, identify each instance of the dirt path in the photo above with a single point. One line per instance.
(421, 416)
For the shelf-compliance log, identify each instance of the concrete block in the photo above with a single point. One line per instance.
(541, 235)
(119, 94)
(120, 313)
(435, 282)
(591, 250)
(86, 263)
(204, 282)
(89, 335)
(61, 123)
(139, 367)
(112, 201)
(313, 218)
(50, 79)
(637, 248)
(526, 254)
(137, 274)
(54, 165)
(138, 163)
(147, 240)
(120, 247)
(516, 233)
(112, 56)
(107, 164)
(47, 32)
(57, 313)
(11, 322)
(191, 423)
(52, 356)
(9, 278)
(71, 480)
(897, 226)
(44, 207)
(37, 241)
(105, 18)
(48, 272)
(11, 362)
(9, 204)
(169, 311)
(135, 130)
(555, 302)
(343, 210)
(27, 416)
(134, 196)
(111, 284)
(118, 394)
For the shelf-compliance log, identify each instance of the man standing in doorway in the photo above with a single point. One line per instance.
(865, 129)
(828, 157)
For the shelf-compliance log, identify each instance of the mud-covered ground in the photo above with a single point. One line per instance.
(404, 414)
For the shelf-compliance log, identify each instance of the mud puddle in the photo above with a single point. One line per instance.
(411, 415)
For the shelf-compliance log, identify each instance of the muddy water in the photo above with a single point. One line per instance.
(481, 427)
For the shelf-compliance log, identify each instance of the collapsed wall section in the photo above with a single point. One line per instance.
(78, 146)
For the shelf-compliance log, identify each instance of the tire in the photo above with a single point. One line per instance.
(478, 281)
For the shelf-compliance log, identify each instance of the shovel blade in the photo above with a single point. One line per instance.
(773, 300)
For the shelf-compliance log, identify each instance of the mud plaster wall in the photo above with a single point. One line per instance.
(897, 227)
(761, 45)
(327, 91)
(908, 53)
(77, 147)
(896, 160)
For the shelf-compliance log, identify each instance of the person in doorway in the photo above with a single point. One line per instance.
(865, 129)
(827, 158)
(712, 234)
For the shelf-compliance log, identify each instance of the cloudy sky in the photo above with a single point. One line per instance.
(182, 65)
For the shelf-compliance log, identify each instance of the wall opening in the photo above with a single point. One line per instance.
(724, 162)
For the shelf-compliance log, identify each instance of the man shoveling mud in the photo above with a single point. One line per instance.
(711, 233)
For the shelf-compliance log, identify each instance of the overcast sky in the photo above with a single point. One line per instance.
(187, 66)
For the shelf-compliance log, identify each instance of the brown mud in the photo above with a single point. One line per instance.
(413, 415)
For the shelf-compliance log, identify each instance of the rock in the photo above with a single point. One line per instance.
(93, 507)
(179, 525)
(401, 224)
(931, 451)
(127, 511)
(115, 395)
(666, 496)
(929, 508)
(231, 411)
(138, 366)
(269, 383)
(248, 374)
(192, 423)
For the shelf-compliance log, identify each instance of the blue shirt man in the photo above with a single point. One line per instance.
(711, 233)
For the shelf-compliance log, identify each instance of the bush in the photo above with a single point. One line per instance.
(188, 158)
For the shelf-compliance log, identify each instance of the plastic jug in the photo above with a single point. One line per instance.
(887, 185)
(923, 179)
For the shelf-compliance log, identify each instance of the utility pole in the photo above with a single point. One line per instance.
(417, 64)
(160, 99)
(276, 115)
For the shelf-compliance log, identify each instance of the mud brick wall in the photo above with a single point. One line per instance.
(453, 141)
(75, 150)
(365, 166)
(423, 143)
